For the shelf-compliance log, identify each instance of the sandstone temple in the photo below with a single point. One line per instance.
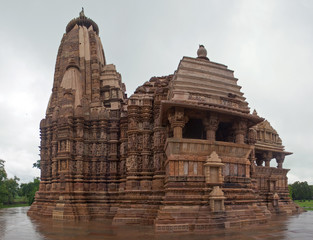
(182, 153)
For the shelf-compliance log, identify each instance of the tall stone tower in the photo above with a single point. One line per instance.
(80, 133)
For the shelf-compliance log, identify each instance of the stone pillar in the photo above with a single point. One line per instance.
(280, 159)
(123, 146)
(146, 116)
(177, 121)
(95, 68)
(259, 162)
(267, 158)
(252, 136)
(240, 128)
(267, 162)
(211, 125)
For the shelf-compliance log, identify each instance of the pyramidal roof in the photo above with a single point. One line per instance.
(202, 82)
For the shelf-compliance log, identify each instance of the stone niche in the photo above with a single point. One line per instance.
(217, 198)
(213, 170)
(275, 200)
(213, 177)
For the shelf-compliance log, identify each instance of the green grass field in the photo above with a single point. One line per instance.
(18, 202)
(306, 204)
(14, 205)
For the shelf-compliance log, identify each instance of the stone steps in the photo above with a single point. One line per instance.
(138, 214)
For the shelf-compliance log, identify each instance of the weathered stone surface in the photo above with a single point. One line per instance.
(183, 152)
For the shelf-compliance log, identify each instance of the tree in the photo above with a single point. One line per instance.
(301, 191)
(12, 187)
(3, 174)
(8, 187)
(290, 191)
(3, 177)
(3, 194)
(36, 164)
(29, 190)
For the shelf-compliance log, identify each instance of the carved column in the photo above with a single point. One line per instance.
(259, 162)
(240, 128)
(113, 143)
(43, 151)
(132, 134)
(252, 135)
(123, 146)
(177, 121)
(95, 68)
(79, 185)
(267, 158)
(147, 146)
(211, 125)
(280, 159)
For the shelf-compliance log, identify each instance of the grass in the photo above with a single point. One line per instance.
(306, 204)
(17, 202)
(14, 205)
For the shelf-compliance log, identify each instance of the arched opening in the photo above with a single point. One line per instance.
(194, 129)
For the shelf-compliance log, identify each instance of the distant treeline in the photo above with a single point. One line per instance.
(11, 192)
(301, 191)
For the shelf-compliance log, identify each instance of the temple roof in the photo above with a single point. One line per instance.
(199, 81)
(268, 138)
(82, 20)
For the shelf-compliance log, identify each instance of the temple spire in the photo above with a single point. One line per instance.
(82, 14)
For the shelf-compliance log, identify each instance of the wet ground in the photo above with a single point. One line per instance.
(15, 225)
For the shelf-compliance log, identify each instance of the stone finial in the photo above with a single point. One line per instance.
(202, 53)
(255, 113)
(82, 20)
(82, 14)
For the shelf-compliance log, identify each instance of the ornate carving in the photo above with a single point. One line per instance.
(252, 136)
(211, 125)
(240, 127)
(63, 165)
(132, 139)
(93, 149)
(79, 148)
(146, 141)
(280, 160)
(131, 164)
(177, 120)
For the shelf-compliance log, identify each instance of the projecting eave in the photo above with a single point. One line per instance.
(166, 105)
(261, 146)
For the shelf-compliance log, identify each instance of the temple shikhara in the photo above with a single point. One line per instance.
(183, 152)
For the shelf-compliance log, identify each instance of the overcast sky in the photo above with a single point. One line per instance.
(269, 45)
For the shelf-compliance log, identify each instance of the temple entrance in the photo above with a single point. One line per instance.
(194, 129)
(224, 132)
